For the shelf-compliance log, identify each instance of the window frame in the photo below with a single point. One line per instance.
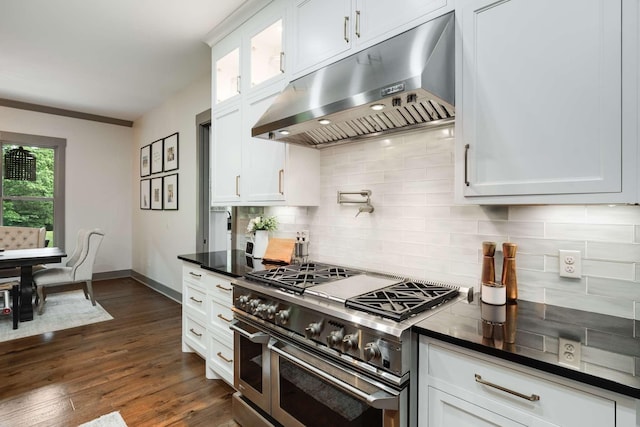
(59, 146)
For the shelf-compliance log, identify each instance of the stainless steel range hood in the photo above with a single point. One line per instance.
(399, 84)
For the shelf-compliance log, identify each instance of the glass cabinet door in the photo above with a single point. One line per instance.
(267, 54)
(228, 76)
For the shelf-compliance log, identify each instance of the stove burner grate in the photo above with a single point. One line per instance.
(402, 300)
(297, 278)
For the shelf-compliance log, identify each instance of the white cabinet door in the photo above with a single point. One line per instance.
(539, 97)
(226, 154)
(322, 31)
(264, 160)
(375, 21)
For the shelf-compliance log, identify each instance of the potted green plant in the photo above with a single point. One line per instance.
(259, 228)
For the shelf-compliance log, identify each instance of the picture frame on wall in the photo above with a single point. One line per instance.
(171, 153)
(156, 193)
(170, 192)
(156, 156)
(145, 160)
(145, 194)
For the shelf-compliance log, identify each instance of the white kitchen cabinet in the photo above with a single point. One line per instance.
(226, 154)
(541, 110)
(461, 387)
(328, 30)
(227, 75)
(206, 315)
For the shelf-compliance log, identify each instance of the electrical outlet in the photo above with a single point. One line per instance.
(570, 264)
(569, 352)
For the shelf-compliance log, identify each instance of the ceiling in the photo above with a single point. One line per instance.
(112, 58)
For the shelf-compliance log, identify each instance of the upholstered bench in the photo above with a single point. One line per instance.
(20, 238)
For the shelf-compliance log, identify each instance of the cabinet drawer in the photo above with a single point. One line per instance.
(193, 274)
(477, 381)
(194, 301)
(220, 359)
(220, 289)
(220, 317)
(194, 335)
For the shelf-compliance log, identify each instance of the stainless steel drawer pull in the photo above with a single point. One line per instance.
(220, 316)
(224, 358)
(195, 300)
(223, 288)
(195, 274)
(195, 333)
(531, 398)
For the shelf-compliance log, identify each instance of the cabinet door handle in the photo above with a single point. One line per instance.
(219, 286)
(220, 316)
(466, 164)
(224, 358)
(280, 181)
(238, 84)
(282, 62)
(195, 274)
(530, 398)
(238, 185)
(358, 23)
(195, 333)
(195, 300)
(346, 27)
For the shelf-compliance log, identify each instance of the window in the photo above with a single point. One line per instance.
(38, 203)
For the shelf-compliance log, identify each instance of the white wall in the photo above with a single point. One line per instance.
(98, 179)
(160, 236)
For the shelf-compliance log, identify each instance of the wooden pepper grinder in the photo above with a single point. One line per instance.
(509, 279)
(488, 265)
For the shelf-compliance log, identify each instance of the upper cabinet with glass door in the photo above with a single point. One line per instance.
(251, 58)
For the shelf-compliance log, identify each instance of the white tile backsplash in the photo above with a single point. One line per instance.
(418, 231)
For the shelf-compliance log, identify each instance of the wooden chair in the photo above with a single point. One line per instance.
(79, 268)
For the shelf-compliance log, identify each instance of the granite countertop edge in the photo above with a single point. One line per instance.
(206, 266)
(531, 362)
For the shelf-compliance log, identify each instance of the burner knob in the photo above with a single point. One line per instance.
(371, 351)
(243, 300)
(271, 311)
(351, 342)
(253, 305)
(283, 316)
(313, 330)
(334, 338)
(260, 310)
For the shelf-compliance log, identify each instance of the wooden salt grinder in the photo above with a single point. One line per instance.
(488, 265)
(509, 279)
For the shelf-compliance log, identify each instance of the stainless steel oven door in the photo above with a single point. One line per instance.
(252, 366)
(311, 391)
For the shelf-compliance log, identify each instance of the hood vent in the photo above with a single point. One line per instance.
(397, 85)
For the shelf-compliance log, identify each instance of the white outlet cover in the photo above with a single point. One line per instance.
(570, 264)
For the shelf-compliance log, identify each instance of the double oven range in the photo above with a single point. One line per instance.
(319, 345)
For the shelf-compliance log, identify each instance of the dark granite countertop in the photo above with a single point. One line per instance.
(233, 263)
(528, 333)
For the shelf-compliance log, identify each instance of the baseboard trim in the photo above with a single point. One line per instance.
(157, 286)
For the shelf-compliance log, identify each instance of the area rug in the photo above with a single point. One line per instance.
(112, 419)
(62, 310)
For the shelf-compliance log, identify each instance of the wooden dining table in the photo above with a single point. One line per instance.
(26, 259)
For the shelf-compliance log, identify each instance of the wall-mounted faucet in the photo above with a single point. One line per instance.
(367, 208)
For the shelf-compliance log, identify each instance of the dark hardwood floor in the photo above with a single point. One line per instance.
(132, 364)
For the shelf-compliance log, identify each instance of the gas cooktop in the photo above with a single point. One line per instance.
(386, 296)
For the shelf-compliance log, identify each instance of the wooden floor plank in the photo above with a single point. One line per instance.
(132, 364)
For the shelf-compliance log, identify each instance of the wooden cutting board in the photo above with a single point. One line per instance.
(279, 250)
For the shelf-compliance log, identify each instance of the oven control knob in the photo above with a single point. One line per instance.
(260, 310)
(371, 351)
(334, 338)
(313, 330)
(253, 305)
(243, 300)
(283, 317)
(271, 311)
(351, 342)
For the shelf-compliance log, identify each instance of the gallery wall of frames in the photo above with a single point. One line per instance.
(160, 190)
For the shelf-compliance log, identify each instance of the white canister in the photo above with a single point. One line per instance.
(493, 293)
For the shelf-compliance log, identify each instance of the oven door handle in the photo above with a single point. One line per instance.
(379, 400)
(255, 337)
